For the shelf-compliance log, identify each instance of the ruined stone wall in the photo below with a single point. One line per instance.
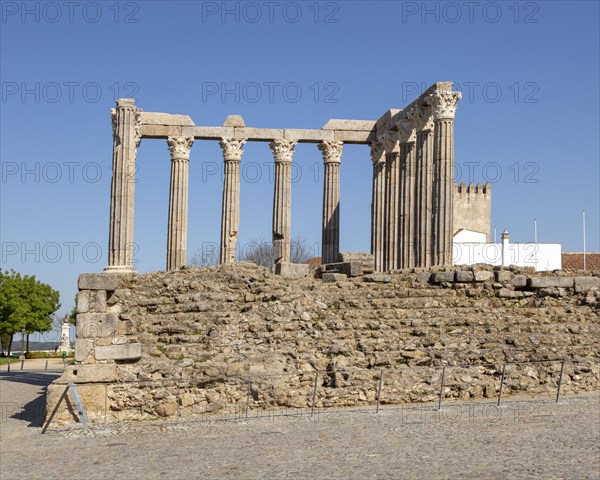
(188, 342)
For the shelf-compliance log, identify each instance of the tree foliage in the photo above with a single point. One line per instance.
(262, 253)
(257, 251)
(25, 304)
(72, 316)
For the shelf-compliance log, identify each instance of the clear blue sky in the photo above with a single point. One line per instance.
(528, 120)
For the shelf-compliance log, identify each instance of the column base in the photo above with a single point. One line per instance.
(119, 269)
(291, 270)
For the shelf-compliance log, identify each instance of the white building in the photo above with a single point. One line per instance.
(469, 248)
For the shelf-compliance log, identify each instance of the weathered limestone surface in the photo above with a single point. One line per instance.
(179, 148)
(230, 212)
(378, 225)
(155, 118)
(413, 187)
(545, 282)
(292, 270)
(202, 331)
(332, 156)
(98, 281)
(283, 151)
(367, 260)
(124, 351)
(92, 325)
(126, 139)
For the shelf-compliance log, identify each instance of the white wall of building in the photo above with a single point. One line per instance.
(469, 236)
(541, 256)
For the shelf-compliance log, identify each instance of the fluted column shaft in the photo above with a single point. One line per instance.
(378, 206)
(283, 151)
(407, 159)
(230, 210)
(392, 211)
(424, 162)
(179, 148)
(125, 141)
(444, 148)
(444, 107)
(330, 244)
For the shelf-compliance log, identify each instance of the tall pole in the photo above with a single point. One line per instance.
(536, 243)
(583, 215)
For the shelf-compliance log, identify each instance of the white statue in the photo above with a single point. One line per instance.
(65, 342)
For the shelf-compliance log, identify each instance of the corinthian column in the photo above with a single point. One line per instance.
(179, 147)
(444, 108)
(283, 151)
(378, 205)
(126, 139)
(392, 199)
(424, 182)
(332, 156)
(230, 212)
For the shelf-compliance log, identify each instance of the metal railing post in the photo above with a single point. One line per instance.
(562, 367)
(379, 391)
(178, 397)
(501, 383)
(248, 396)
(441, 388)
(314, 396)
(105, 401)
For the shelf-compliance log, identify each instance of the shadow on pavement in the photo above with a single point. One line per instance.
(33, 411)
(31, 378)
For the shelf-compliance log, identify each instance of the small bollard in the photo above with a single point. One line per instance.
(22, 363)
(8, 364)
(46, 366)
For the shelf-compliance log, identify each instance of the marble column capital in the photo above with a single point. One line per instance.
(444, 104)
(424, 119)
(232, 149)
(127, 104)
(407, 131)
(331, 151)
(283, 150)
(377, 153)
(390, 142)
(180, 147)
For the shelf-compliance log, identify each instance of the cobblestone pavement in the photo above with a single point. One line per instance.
(522, 439)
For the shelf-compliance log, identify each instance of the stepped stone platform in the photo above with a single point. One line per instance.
(207, 340)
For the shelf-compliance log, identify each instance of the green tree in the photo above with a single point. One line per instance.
(25, 304)
(72, 316)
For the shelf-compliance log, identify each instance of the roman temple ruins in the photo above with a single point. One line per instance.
(413, 217)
